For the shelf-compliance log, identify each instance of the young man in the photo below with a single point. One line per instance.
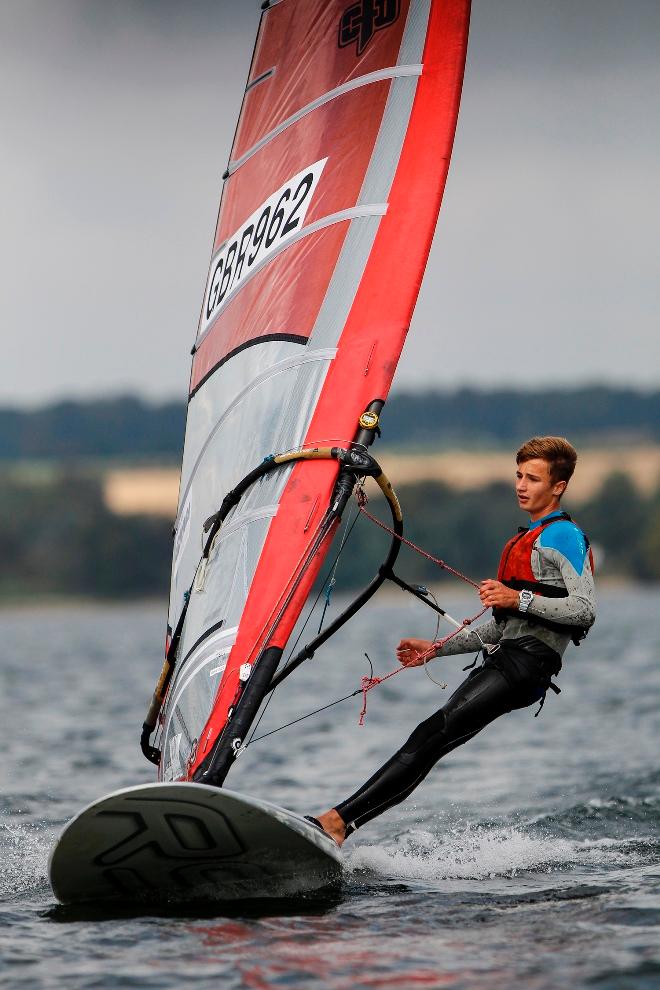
(542, 599)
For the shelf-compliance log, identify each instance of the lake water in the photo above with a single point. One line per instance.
(529, 857)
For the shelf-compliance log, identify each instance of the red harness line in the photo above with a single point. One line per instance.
(371, 682)
(362, 501)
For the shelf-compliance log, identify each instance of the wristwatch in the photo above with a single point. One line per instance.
(525, 599)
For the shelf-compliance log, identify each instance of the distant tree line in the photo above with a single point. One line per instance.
(125, 427)
(57, 537)
(596, 414)
(128, 427)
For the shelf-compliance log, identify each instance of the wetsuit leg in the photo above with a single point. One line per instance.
(482, 697)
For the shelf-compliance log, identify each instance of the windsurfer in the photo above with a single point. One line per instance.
(542, 599)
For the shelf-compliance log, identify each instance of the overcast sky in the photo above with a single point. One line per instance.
(118, 117)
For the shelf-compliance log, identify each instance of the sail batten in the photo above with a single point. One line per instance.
(393, 72)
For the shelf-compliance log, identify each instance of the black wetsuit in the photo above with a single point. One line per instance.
(524, 655)
(516, 675)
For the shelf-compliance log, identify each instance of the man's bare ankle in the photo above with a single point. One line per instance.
(334, 825)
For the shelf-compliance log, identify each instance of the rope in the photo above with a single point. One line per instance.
(371, 682)
(316, 711)
(302, 718)
(330, 577)
(362, 501)
(440, 684)
(333, 579)
(368, 683)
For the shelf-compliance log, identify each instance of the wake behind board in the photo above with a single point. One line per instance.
(188, 841)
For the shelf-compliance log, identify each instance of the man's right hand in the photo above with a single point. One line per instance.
(413, 652)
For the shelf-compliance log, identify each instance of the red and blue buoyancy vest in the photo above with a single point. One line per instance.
(515, 571)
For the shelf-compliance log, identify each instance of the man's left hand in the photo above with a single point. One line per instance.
(494, 594)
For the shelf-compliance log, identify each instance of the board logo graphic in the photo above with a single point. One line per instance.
(361, 20)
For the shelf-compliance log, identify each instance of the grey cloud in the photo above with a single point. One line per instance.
(118, 121)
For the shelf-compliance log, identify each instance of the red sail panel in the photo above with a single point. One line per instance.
(301, 42)
(271, 301)
(384, 304)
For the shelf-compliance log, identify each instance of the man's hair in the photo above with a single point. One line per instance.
(557, 451)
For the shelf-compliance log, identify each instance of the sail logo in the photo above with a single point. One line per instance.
(360, 21)
(277, 221)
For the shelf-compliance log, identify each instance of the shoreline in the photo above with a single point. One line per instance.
(53, 602)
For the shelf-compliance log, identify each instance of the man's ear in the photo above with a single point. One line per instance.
(559, 489)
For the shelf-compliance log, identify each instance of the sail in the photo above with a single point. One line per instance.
(328, 209)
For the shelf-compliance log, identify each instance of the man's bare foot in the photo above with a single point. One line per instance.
(334, 825)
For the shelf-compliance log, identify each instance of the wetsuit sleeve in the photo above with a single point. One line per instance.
(564, 554)
(468, 641)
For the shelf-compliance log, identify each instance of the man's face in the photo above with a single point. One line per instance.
(537, 493)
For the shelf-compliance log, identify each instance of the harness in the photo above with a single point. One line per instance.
(515, 571)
